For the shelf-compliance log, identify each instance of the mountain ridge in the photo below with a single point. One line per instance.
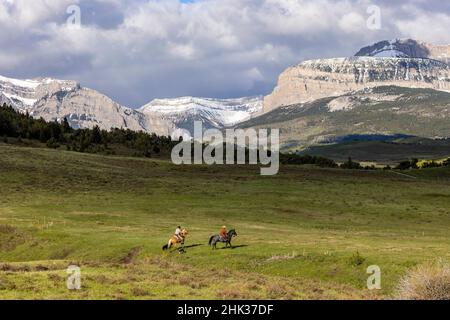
(402, 48)
(54, 100)
(407, 63)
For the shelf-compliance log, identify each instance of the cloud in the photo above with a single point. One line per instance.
(138, 50)
(433, 27)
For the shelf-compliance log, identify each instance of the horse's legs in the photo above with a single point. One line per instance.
(181, 249)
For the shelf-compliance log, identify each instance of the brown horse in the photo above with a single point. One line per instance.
(175, 241)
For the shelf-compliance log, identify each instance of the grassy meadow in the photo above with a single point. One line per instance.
(307, 233)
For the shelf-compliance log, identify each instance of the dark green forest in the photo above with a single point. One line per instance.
(19, 128)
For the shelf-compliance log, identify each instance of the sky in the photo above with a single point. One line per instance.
(138, 50)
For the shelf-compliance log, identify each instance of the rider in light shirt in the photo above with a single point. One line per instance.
(178, 233)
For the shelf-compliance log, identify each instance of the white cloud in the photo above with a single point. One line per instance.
(434, 27)
(353, 23)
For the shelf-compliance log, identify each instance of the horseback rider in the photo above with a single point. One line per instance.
(223, 232)
(178, 234)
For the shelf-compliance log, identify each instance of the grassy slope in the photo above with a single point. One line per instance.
(382, 152)
(60, 207)
(417, 112)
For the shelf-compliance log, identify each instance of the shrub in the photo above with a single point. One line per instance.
(404, 165)
(295, 159)
(357, 259)
(446, 163)
(53, 143)
(276, 291)
(430, 281)
(350, 164)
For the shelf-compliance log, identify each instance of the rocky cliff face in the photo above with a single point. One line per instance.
(380, 65)
(85, 108)
(54, 99)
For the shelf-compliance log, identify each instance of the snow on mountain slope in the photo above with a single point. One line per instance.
(23, 84)
(214, 113)
(406, 48)
(389, 53)
(54, 99)
(316, 79)
(19, 93)
(24, 94)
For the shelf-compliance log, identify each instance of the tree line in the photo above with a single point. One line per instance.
(424, 164)
(54, 134)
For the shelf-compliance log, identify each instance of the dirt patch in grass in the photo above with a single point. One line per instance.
(30, 267)
(278, 291)
(6, 284)
(131, 256)
(11, 238)
(140, 292)
(15, 268)
(233, 293)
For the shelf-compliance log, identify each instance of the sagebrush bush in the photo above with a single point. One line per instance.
(357, 259)
(430, 281)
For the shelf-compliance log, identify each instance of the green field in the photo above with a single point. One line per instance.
(307, 233)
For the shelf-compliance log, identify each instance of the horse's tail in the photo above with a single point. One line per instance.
(210, 240)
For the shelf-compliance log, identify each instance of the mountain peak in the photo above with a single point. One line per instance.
(406, 48)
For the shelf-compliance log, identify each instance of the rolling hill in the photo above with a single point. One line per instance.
(385, 110)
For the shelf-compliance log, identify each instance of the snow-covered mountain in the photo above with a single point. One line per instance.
(54, 99)
(24, 94)
(388, 88)
(214, 113)
(406, 48)
(404, 63)
(395, 49)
